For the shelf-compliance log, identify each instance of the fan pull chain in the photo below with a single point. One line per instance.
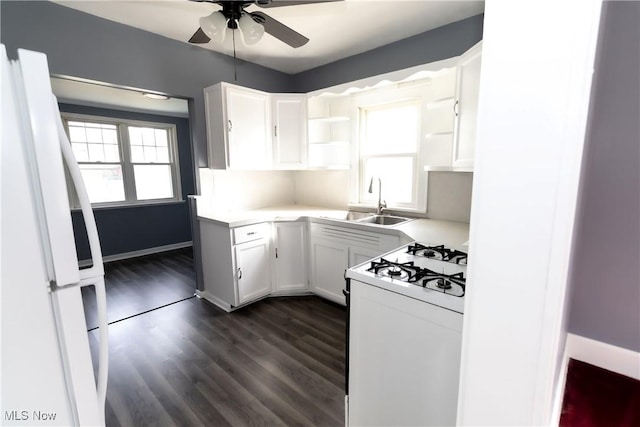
(235, 69)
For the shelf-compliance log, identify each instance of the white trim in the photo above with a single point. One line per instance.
(215, 300)
(607, 356)
(141, 252)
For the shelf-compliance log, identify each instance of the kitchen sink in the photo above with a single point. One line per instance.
(358, 216)
(383, 220)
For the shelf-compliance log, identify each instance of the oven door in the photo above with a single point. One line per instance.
(404, 359)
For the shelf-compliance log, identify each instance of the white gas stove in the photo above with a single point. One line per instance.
(431, 273)
(405, 310)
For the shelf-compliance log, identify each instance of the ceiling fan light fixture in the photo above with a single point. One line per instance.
(214, 26)
(252, 31)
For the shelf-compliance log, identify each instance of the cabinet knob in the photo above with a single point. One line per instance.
(229, 125)
(239, 273)
(455, 107)
(275, 131)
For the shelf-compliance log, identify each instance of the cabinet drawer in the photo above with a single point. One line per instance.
(250, 232)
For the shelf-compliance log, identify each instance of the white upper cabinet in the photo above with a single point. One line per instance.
(466, 107)
(289, 131)
(238, 127)
(439, 119)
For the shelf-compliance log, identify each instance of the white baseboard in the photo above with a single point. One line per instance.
(142, 252)
(214, 300)
(617, 359)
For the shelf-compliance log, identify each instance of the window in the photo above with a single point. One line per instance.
(389, 142)
(125, 162)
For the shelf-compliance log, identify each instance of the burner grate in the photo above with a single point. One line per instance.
(439, 252)
(452, 284)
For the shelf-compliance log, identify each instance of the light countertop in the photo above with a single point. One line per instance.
(430, 231)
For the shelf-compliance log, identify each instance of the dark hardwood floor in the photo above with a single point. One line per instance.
(596, 397)
(140, 284)
(279, 361)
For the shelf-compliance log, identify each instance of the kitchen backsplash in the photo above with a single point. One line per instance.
(240, 190)
(327, 188)
(449, 196)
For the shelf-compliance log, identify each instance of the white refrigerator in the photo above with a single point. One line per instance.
(46, 373)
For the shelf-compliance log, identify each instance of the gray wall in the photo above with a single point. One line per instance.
(82, 45)
(605, 278)
(134, 228)
(437, 44)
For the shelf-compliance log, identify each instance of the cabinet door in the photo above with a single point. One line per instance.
(328, 264)
(466, 108)
(289, 131)
(291, 256)
(248, 122)
(358, 255)
(252, 270)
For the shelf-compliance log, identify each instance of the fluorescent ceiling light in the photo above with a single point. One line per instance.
(155, 96)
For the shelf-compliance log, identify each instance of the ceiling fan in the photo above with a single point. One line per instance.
(252, 25)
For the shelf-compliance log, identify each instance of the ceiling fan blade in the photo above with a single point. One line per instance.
(280, 31)
(199, 37)
(275, 3)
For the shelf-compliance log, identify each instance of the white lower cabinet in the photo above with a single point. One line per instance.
(252, 270)
(334, 249)
(243, 264)
(236, 263)
(358, 255)
(328, 264)
(290, 266)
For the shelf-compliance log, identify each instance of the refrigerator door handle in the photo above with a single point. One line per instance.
(97, 269)
(94, 275)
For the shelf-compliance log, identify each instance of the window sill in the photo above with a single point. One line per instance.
(131, 205)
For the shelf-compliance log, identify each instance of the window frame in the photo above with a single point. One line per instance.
(124, 149)
(379, 98)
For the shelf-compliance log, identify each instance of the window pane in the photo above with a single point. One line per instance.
(150, 154)
(153, 182)
(77, 134)
(99, 136)
(161, 137)
(80, 151)
(148, 136)
(135, 135)
(96, 153)
(111, 153)
(149, 145)
(396, 174)
(137, 154)
(392, 129)
(103, 182)
(93, 134)
(109, 136)
(163, 155)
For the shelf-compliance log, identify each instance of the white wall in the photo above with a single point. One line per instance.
(605, 300)
(532, 115)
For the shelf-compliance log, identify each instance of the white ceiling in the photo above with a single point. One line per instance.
(336, 30)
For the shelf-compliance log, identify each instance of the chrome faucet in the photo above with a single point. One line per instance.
(382, 205)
